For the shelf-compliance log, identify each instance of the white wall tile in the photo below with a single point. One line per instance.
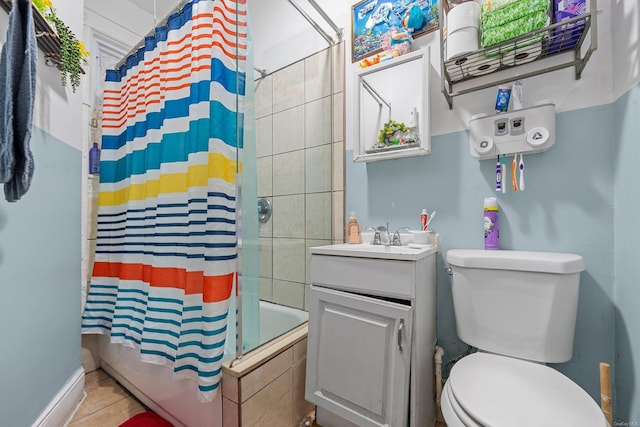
(338, 67)
(264, 166)
(290, 294)
(288, 87)
(318, 75)
(258, 379)
(264, 97)
(318, 169)
(266, 257)
(338, 166)
(266, 289)
(264, 136)
(318, 215)
(265, 229)
(271, 406)
(318, 118)
(288, 130)
(288, 216)
(289, 260)
(288, 173)
(338, 117)
(307, 289)
(338, 217)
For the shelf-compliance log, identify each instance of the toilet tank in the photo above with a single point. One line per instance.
(516, 303)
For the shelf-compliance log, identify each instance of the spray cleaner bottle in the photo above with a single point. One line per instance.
(491, 230)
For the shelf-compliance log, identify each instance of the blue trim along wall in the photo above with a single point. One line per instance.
(567, 207)
(626, 125)
(40, 283)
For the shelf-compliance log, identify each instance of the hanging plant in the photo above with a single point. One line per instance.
(72, 51)
(70, 54)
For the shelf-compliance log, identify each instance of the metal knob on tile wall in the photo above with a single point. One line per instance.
(264, 210)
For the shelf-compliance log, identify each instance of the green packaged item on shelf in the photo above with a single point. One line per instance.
(491, 5)
(512, 12)
(516, 28)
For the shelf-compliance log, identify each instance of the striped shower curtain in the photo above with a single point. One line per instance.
(165, 261)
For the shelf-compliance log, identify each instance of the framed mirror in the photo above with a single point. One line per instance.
(392, 108)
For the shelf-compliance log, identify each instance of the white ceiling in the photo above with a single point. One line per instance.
(163, 7)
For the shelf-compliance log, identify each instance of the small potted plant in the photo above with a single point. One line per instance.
(395, 133)
(391, 133)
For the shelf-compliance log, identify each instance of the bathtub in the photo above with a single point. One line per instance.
(177, 401)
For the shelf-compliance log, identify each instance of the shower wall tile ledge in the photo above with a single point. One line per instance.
(267, 386)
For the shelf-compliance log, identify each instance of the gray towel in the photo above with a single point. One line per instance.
(18, 73)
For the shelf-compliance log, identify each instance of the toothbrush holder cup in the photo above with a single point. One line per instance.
(421, 237)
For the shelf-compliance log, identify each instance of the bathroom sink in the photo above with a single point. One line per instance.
(365, 250)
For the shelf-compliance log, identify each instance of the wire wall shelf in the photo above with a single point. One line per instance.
(500, 63)
(48, 40)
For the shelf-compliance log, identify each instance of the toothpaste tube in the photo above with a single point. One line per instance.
(516, 93)
(502, 100)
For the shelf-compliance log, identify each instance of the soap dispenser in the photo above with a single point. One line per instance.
(353, 230)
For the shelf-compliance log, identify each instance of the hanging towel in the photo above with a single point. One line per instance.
(18, 74)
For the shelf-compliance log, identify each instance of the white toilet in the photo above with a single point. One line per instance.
(519, 309)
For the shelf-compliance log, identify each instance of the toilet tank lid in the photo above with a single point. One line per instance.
(544, 262)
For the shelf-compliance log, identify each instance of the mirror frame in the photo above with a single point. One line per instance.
(359, 154)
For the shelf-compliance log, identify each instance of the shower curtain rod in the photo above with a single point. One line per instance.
(178, 9)
(315, 25)
(339, 31)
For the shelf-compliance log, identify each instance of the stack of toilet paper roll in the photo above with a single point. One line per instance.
(463, 26)
(463, 29)
(522, 53)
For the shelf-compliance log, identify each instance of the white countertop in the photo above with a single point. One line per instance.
(364, 250)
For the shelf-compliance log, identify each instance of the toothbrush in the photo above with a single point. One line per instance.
(521, 167)
(498, 175)
(514, 167)
(503, 172)
(431, 218)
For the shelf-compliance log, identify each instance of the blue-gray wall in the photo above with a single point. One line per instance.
(626, 123)
(567, 207)
(40, 284)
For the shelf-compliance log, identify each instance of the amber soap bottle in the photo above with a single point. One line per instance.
(353, 230)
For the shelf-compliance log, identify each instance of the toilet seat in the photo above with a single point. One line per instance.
(492, 390)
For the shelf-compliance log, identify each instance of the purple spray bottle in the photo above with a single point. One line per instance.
(491, 230)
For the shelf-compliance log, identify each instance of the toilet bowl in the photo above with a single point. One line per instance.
(518, 309)
(491, 390)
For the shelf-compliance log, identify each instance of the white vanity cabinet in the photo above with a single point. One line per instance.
(372, 335)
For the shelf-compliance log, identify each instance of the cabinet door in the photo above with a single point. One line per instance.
(358, 357)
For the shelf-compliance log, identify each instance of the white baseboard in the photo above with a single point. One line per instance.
(64, 404)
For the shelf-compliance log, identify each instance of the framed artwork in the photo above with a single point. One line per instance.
(372, 20)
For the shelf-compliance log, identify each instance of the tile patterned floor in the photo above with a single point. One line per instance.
(107, 403)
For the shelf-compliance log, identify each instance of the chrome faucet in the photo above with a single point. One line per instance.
(374, 235)
(381, 237)
(396, 236)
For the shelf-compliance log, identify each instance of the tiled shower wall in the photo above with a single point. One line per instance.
(300, 165)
